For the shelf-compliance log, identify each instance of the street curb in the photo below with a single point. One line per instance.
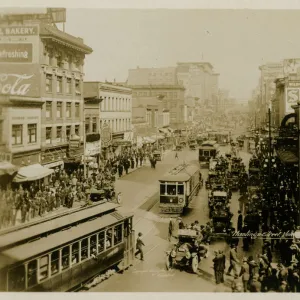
(210, 277)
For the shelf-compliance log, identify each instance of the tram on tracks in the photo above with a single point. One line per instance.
(207, 151)
(65, 252)
(178, 188)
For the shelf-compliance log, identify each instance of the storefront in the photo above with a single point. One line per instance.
(75, 154)
(93, 147)
(53, 158)
(7, 169)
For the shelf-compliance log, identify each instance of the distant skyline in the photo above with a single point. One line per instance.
(235, 42)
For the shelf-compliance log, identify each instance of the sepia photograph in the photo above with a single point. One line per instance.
(149, 149)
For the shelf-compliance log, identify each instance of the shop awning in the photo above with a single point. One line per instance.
(32, 172)
(6, 168)
(148, 139)
(287, 156)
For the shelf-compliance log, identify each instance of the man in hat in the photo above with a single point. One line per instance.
(171, 228)
(255, 285)
(240, 221)
(233, 261)
(139, 246)
(245, 274)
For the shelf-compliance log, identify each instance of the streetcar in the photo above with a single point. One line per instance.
(178, 188)
(64, 252)
(207, 151)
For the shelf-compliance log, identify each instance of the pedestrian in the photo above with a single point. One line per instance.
(176, 155)
(171, 228)
(240, 221)
(245, 274)
(255, 285)
(139, 246)
(216, 261)
(233, 261)
(222, 265)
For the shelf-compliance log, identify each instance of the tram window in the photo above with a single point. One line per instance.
(171, 189)
(108, 241)
(180, 189)
(205, 153)
(32, 273)
(44, 267)
(84, 249)
(54, 262)
(101, 241)
(162, 189)
(118, 234)
(201, 152)
(75, 253)
(93, 241)
(16, 279)
(65, 257)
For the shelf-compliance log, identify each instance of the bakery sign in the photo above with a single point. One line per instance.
(20, 80)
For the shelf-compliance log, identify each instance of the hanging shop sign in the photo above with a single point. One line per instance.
(106, 135)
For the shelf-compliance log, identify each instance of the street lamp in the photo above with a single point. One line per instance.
(159, 97)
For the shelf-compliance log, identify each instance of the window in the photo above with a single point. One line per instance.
(118, 234)
(60, 63)
(59, 109)
(48, 83)
(180, 189)
(32, 273)
(87, 125)
(68, 132)
(93, 242)
(94, 125)
(48, 109)
(32, 130)
(17, 135)
(75, 253)
(48, 135)
(162, 188)
(54, 262)
(16, 279)
(171, 189)
(84, 249)
(44, 267)
(77, 114)
(101, 241)
(59, 84)
(77, 87)
(108, 240)
(175, 95)
(69, 86)
(68, 110)
(58, 133)
(65, 258)
(77, 129)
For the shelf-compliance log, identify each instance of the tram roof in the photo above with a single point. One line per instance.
(61, 221)
(58, 239)
(180, 173)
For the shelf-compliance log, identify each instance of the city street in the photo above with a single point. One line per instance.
(151, 274)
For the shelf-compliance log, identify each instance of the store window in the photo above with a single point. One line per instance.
(68, 109)
(48, 135)
(48, 110)
(69, 86)
(87, 125)
(17, 135)
(59, 110)
(44, 267)
(48, 83)
(77, 112)
(59, 85)
(32, 132)
(59, 134)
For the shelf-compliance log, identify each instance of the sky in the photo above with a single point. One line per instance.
(235, 42)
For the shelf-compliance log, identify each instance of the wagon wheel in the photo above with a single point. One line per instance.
(195, 264)
(168, 265)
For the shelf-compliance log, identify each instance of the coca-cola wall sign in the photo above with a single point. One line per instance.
(20, 80)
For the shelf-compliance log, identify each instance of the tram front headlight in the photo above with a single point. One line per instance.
(180, 200)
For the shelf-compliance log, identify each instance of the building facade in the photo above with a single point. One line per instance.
(115, 107)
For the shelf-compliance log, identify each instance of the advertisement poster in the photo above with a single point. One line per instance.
(291, 66)
(292, 97)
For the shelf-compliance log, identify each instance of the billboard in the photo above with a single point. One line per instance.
(20, 80)
(19, 44)
(291, 66)
(292, 97)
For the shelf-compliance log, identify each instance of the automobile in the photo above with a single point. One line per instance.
(233, 180)
(212, 176)
(106, 193)
(217, 199)
(221, 220)
(178, 147)
(186, 253)
(213, 163)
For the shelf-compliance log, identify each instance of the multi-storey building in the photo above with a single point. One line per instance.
(115, 107)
